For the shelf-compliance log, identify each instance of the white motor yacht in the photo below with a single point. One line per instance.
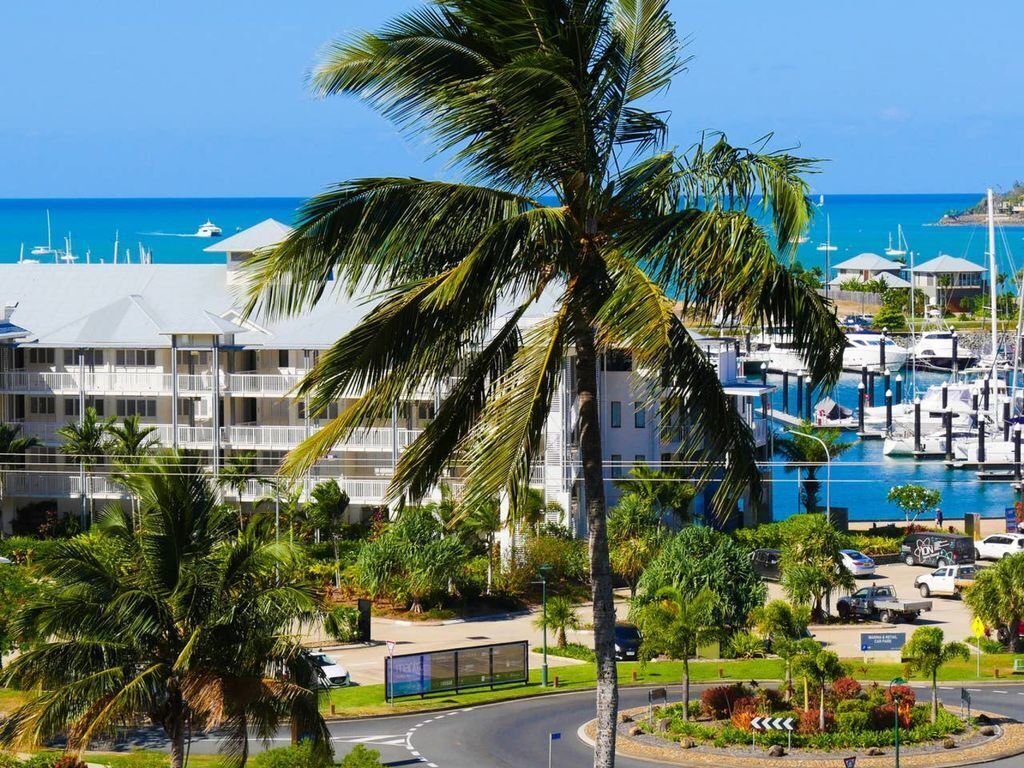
(209, 229)
(864, 349)
(934, 349)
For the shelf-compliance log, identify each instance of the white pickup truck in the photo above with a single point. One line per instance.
(948, 580)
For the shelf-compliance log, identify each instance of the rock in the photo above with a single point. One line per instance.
(661, 726)
(987, 730)
(776, 751)
(687, 743)
(874, 752)
(624, 718)
(948, 743)
(983, 719)
(636, 730)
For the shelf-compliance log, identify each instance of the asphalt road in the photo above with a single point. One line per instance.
(515, 734)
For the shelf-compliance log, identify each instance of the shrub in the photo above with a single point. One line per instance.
(882, 717)
(743, 645)
(741, 719)
(809, 721)
(854, 705)
(299, 756)
(852, 721)
(718, 702)
(7, 760)
(361, 757)
(342, 624)
(906, 695)
(846, 688)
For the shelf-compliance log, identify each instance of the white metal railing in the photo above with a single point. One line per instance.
(283, 437)
(66, 484)
(262, 383)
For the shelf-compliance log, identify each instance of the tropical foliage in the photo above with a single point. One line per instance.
(635, 536)
(13, 447)
(812, 567)
(559, 616)
(180, 619)
(915, 500)
(823, 667)
(997, 596)
(84, 442)
(806, 456)
(927, 654)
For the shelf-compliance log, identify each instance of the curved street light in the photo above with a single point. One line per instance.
(896, 715)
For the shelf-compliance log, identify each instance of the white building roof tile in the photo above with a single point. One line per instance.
(944, 263)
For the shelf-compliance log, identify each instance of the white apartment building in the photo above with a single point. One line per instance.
(167, 342)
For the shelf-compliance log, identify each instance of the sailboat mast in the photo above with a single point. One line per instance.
(992, 273)
(49, 236)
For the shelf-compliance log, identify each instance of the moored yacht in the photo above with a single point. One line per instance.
(934, 349)
(864, 349)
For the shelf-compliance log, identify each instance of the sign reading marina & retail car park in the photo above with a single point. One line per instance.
(882, 641)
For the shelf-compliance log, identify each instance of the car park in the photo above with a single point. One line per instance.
(936, 549)
(627, 641)
(767, 563)
(949, 580)
(857, 563)
(998, 546)
(332, 673)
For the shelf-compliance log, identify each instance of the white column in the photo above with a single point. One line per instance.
(174, 391)
(216, 407)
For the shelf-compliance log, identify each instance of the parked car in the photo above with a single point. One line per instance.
(766, 563)
(857, 563)
(332, 673)
(999, 545)
(627, 641)
(937, 549)
(948, 580)
(5, 561)
(880, 602)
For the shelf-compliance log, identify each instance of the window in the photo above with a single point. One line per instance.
(616, 414)
(331, 413)
(135, 358)
(42, 406)
(640, 459)
(616, 464)
(282, 358)
(639, 416)
(618, 361)
(134, 407)
(425, 411)
(72, 406)
(41, 356)
(186, 407)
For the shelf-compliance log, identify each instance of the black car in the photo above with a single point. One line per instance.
(766, 563)
(627, 641)
(937, 549)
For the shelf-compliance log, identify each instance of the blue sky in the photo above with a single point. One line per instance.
(199, 98)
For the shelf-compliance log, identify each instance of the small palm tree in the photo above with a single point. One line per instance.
(84, 442)
(676, 624)
(238, 470)
(327, 509)
(808, 456)
(485, 520)
(181, 620)
(665, 491)
(997, 596)
(823, 667)
(635, 536)
(561, 616)
(13, 447)
(128, 442)
(928, 654)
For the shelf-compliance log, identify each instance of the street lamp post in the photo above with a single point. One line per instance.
(828, 472)
(544, 569)
(896, 715)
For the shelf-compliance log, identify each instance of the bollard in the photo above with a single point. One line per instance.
(860, 408)
(954, 364)
(947, 417)
(785, 391)
(1016, 452)
(899, 389)
(807, 388)
(799, 394)
(917, 425)
(888, 410)
(556, 681)
(333, 712)
(881, 348)
(634, 675)
(986, 387)
(945, 395)
(764, 374)
(871, 388)
(981, 440)
(1006, 421)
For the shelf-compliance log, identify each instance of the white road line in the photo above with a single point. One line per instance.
(950, 688)
(976, 690)
(999, 692)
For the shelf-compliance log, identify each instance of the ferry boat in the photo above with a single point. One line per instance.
(209, 229)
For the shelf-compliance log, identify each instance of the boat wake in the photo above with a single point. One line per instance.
(167, 234)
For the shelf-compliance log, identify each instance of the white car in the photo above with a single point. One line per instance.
(331, 672)
(857, 563)
(5, 561)
(999, 545)
(948, 580)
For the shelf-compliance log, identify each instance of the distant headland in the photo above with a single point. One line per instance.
(1009, 210)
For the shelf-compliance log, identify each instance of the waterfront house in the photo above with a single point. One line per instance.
(868, 267)
(946, 280)
(169, 343)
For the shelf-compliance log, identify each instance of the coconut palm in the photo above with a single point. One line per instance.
(807, 456)
(181, 620)
(665, 491)
(997, 597)
(572, 206)
(84, 442)
(928, 654)
(239, 468)
(128, 442)
(559, 617)
(676, 625)
(13, 447)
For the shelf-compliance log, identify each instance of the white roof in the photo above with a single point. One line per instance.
(944, 263)
(869, 261)
(263, 235)
(890, 280)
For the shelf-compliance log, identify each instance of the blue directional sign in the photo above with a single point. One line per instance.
(882, 641)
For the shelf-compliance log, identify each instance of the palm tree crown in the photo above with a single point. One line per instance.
(571, 199)
(179, 619)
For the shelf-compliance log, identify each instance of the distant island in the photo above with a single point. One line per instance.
(1009, 209)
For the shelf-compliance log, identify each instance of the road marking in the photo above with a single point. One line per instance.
(998, 691)
(951, 688)
(975, 690)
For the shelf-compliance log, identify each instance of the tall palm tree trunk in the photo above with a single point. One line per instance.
(821, 706)
(174, 726)
(935, 694)
(686, 688)
(600, 570)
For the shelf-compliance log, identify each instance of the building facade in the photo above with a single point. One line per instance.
(168, 343)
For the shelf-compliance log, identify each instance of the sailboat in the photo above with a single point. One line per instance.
(45, 250)
(900, 249)
(992, 361)
(821, 201)
(827, 246)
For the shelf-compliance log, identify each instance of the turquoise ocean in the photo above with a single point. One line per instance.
(858, 223)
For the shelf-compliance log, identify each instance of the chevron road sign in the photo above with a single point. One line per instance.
(772, 724)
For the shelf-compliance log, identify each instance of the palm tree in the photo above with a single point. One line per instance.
(485, 520)
(560, 616)
(84, 442)
(239, 468)
(13, 447)
(676, 625)
(783, 625)
(181, 620)
(635, 536)
(327, 508)
(997, 596)
(944, 283)
(128, 442)
(666, 491)
(824, 667)
(537, 99)
(927, 654)
(807, 456)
